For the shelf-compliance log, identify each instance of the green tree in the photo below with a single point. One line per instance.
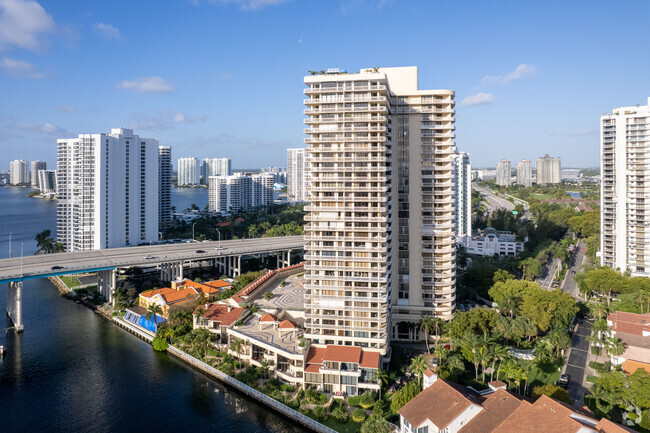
(418, 367)
(531, 268)
(237, 345)
(426, 324)
(382, 378)
(375, 425)
(340, 413)
(154, 311)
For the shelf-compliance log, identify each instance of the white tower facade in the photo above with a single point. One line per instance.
(188, 172)
(297, 175)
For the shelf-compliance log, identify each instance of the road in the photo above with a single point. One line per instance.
(576, 364)
(546, 279)
(493, 201)
(40, 266)
(569, 284)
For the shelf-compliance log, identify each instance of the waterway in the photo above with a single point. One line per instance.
(73, 371)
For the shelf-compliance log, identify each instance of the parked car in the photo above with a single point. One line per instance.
(564, 380)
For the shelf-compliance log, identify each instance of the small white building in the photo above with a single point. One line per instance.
(492, 241)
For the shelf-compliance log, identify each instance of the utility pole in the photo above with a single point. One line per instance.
(21, 260)
(10, 244)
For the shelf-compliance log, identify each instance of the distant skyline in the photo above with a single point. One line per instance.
(224, 78)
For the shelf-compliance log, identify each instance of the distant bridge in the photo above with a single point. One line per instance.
(170, 258)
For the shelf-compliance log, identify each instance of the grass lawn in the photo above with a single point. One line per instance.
(344, 427)
(546, 373)
(70, 281)
(539, 196)
(591, 378)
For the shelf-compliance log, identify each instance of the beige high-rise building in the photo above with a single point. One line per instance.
(525, 173)
(380, 235)
(504, 173)
(548, 170)
(625, 208)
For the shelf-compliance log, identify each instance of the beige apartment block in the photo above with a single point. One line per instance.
(380, 231)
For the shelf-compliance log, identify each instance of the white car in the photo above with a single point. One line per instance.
(149, 257)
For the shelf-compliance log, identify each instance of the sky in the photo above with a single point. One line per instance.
(224, 78)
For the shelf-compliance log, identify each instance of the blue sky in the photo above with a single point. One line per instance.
(224, 78)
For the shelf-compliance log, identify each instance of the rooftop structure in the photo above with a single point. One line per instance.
(491, 241)
(548, 170)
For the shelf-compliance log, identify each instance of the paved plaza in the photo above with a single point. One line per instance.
(291, 296)
(286, 340)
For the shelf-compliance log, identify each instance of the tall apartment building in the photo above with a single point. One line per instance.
(504, 173)
(279, 173)
(36, 166)
(624, 204)
(548, 170)
(215, 167)
(379, 240)
(188, 172)
(107, 188)
(19, 172)
(463, 196)
(240, 192)
(525, 173)
(297, 172)
(47, 181)
(165, 184)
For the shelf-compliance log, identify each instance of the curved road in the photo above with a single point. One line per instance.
(495, 202)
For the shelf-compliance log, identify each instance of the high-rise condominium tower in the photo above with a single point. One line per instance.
(36, 166)
(381, 212)
(625, 208)
(188, 171)
(215, 167)
(240, 191)
(504, 173)
(19, 172)
(107, 188)
(297, 175)
(165, 184)
(463, 197)
(47, 181)
(548, 170)
(525, 173)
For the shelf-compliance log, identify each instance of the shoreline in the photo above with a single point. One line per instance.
(279, 408)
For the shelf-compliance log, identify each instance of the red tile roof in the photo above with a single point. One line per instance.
(441, 402)
(630, 366)
(287, 324)
(220, 313)
(315, 355)
(606, 426)
(312, 368)
(497, 407)
(267, 318)
(542, 415)
(171, 296)
(369, 359)
(497, 383)
(629, 323)
(343, 353)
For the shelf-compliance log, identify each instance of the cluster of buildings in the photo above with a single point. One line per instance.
(39, 177)
(548, 171)
(240, 192)
(447, 407)
(191, 172)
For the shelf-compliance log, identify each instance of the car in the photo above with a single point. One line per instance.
(149, 257)
(218, 248)
(199, 251)
(564, 380)
(54, 268)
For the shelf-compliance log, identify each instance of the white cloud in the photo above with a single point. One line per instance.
(65, 108)
(23, 23)
(108, 31)
(247, 4)
(45, 128)
(520, 71)
(20, 69)
(478, 99)
(152, 84)
(159, 120)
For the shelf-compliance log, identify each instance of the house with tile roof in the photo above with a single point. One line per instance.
(217, 318)
(446, 407)
(168, 299)
(348, 370)
(634, 330)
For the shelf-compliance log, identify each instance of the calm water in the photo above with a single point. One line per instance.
(73, 371)
(574, 194)
(183, 198)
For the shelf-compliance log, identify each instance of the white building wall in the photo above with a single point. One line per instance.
(36, 166)
(19, 172)
(188, 171)
(297, 174)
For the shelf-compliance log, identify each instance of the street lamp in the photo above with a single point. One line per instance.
(193, 230)
(10, 244)
(219, 237)
(21, 260)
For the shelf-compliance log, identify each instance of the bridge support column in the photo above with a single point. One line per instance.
(284, 259)
(106, 283)
(15, 304)
(238, 270)
(171, 271)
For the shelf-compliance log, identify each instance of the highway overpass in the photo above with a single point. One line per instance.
(169, 257)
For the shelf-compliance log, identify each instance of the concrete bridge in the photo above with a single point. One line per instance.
(170, 258)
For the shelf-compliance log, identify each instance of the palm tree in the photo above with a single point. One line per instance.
(418, 366)
(153, 310)
(382, 378)
(237, 345)
(500, 353)
(601, 328)
(426, 324)
(58, 248)
(616, 347)
(600, 394)
(473, 345)
(526, 367)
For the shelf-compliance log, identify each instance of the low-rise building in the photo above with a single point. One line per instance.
(492, 242)
(451, 408)
(345, 370)
(217, 318)
(182, 294)
(634, 331)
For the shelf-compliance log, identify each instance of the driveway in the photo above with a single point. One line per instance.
(577, 362)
